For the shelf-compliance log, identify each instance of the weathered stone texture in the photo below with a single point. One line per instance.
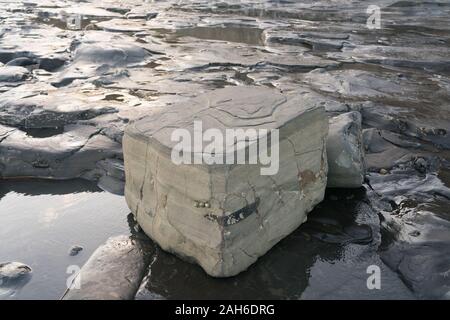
(226, 216)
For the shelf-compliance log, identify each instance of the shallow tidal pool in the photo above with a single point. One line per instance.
(41, 220)
(326, 258)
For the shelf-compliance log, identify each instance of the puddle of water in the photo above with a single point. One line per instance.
(43, 132)
(62, 23)
(114, 97)
(326, 258)
(245, 35)
(41, 220)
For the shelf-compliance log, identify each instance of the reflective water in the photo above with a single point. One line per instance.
(43, 132)
(41, 220)
(326, 258)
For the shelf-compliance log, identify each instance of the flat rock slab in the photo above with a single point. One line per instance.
(63, 156)
(113, 272)
(225, 216)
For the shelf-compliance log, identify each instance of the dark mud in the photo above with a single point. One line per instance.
(326, 258)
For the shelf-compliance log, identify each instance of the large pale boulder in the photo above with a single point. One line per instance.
(345, 151)
(225, 216)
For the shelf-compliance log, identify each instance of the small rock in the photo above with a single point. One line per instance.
(414, 233)
(13, 276)
(383, 171)
(75, 250)
(420, 164)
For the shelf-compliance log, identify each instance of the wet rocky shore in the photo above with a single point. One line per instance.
(74, 74)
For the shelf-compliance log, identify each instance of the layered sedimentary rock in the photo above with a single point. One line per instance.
(345, 151)
(225, 216)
